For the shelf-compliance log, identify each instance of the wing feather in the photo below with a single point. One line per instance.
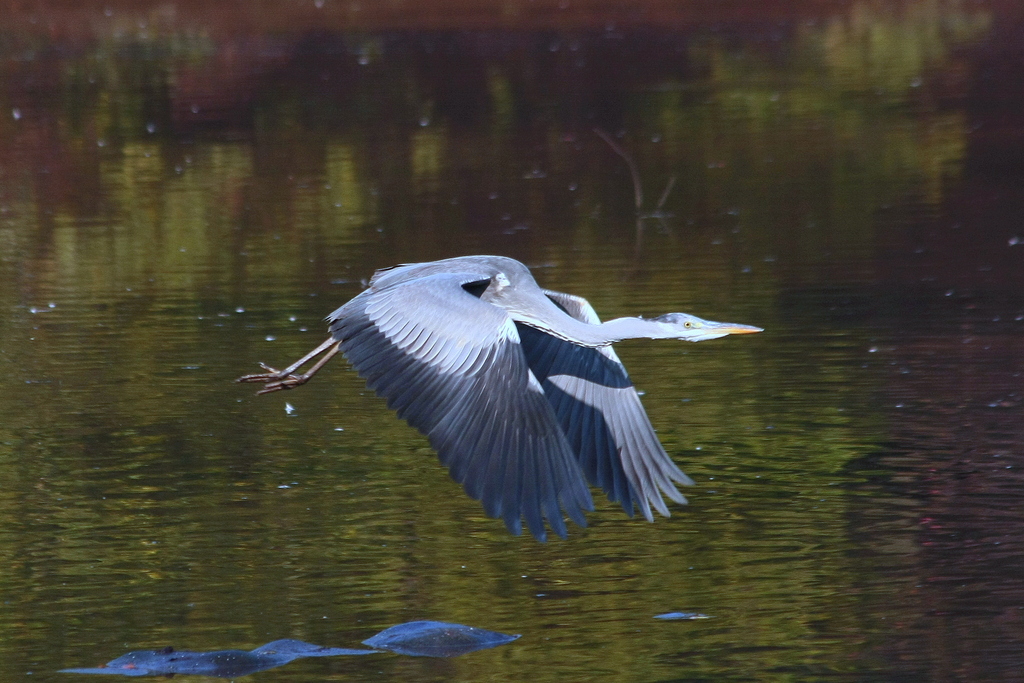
(602, 416)
(452, 366)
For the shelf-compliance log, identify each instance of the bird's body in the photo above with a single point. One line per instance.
(517, 387)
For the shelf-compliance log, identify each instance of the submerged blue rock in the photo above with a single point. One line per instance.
(681, 616)
(220, 663)
(436, 639)
(416, 638)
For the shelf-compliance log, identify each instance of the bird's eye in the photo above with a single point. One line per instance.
(687, 324)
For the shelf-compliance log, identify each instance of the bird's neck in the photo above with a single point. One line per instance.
(541, 313)
(585, 334)
(636, 328)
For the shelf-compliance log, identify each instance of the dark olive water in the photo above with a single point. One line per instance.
(180, 200)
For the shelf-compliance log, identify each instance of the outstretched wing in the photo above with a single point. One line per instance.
(601, 415)
(453, 367)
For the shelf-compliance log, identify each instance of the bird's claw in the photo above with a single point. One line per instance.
(276, 379)
(270, 375)
(289, 382)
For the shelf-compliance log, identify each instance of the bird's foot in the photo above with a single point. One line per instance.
(289, 382)
(270, 375)
(276, 380)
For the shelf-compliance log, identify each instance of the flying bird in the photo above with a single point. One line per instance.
(517, 387)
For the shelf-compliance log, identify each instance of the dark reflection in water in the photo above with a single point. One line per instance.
(415, 638)
(221, 663)
(437, 639)
(182, 194)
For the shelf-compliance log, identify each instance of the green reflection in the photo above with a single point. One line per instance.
(189, 212)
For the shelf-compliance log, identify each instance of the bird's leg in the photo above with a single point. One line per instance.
(277, 380)
(291, 381)
(273, 373)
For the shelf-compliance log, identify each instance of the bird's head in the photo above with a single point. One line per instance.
(691, 328)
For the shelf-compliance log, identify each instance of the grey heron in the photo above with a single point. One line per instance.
(516, 387)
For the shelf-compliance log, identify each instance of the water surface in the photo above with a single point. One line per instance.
(181, 197)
